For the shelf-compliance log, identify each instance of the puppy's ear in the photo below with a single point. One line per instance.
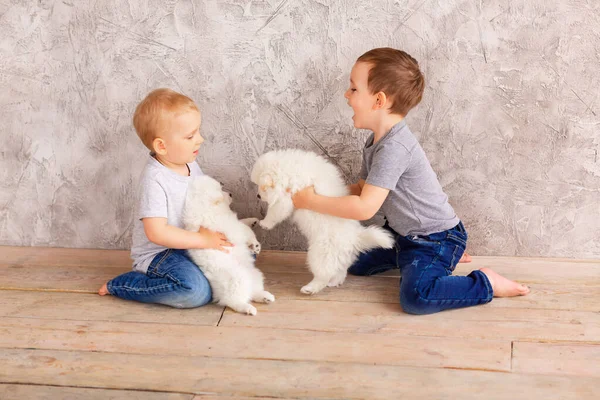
(266, 182)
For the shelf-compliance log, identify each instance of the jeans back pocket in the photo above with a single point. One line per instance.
(458, 238)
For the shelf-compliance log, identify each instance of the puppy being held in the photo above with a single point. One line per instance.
(333, 243)
(233, 277)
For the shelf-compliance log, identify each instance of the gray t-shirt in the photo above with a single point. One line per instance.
(162, 194)
(416, 203)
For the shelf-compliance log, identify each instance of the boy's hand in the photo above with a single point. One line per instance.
(303, 198)
(214, 240)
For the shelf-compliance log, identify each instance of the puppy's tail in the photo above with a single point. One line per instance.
(372, 237)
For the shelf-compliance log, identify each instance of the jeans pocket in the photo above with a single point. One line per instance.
(456, 255)
(153, 268)
(423, 240)
(458, 238)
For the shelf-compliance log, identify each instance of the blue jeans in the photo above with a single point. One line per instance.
(426, 264)
(172, 279)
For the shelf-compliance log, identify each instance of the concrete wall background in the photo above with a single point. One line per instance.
(509, 119)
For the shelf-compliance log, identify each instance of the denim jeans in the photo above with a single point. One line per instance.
(426, 264)
(172, 279)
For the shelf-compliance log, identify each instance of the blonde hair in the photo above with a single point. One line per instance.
(397, 74)
(153, 115)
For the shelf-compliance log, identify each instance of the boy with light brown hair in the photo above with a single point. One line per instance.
(168, 124)
(396, 177)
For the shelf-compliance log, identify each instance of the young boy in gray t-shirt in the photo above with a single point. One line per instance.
(396, 177)
(168, 124)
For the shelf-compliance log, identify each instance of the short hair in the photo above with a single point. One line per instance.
(397, 74)
(153, 114)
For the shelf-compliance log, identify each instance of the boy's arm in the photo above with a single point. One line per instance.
(356, 188)
(359, 207)
(160, 232)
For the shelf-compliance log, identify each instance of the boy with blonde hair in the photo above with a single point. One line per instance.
(396, 177)
(168, 124)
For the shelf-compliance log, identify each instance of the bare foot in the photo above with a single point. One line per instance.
(103, 290)
(504, 287)
(466, 258)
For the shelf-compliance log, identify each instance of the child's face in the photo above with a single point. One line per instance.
(183, 139)
(359, 97)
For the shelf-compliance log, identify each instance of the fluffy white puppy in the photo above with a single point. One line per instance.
(234, 279)
(333, 243)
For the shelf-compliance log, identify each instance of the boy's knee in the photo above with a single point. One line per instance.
(201, 293)
(193, 299)
(413, 303)
(193, 293)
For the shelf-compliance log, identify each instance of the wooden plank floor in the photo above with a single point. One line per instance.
(60, 340)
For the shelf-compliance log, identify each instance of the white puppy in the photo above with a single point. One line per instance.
(333, 243)
(233, 277)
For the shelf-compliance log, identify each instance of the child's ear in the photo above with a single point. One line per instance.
(266, 182)
(381, 101)
(159, 146)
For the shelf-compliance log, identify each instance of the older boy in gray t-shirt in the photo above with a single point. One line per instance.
(396, 178)
(416, 203)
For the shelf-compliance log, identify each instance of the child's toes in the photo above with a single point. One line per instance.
(103, 290)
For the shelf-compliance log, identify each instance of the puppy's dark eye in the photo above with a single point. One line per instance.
(258, 195)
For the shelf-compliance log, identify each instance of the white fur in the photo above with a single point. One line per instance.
(234, 279)
(333, 243)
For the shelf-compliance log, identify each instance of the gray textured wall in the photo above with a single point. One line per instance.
(509, 118)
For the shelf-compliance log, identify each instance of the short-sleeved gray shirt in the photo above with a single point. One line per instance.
(162, 194)
(416, 203)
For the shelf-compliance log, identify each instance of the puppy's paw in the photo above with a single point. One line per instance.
(254, 246)
(243, 308)
(266, 225)
(337, 280)
(308, 289)
(251, 222)
(264, 297)
(335, 283)
(251, 310)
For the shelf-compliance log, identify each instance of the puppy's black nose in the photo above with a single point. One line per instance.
(258, 195)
